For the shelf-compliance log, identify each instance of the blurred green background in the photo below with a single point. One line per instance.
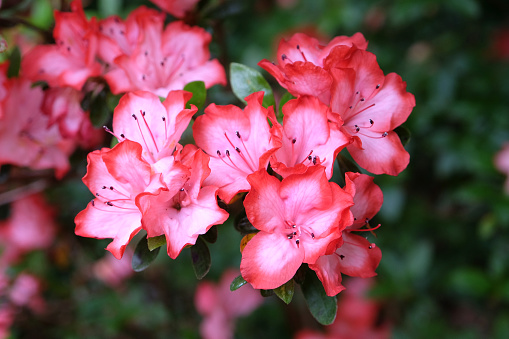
(445, 220)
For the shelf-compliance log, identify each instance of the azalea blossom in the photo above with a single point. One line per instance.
(72, 60)
(301, 60)
(186, 208)
(370, 106)
(140, 54)
(111, 271)
(239, 142)
(355, 255)
(298, 218)
(30, 226)
(308, 138)
(115, 177)
(25, 137)
(220, 307)
(177, 8)
(157, 127)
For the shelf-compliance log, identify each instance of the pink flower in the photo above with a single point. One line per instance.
(297, 219)
(502, 163)
(239, 142)
(354, 256)
(115, 177)
(25, 291)
(63, 107)
(30, 226)
(25, 137)
(177, 8)
(220, 306)
(147, 58)
(113, 272)
(308, 138)
(71, 61)
(371, 106)
(301, 64)
(184, 210)
(141, 117)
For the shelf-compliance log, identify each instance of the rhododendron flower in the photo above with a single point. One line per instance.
(177, 8)
(141, 117)
(502, 163)
(63, 107)
(301, 59)
(25, 138)
(150, 59)
(357, 316)
(29, 227)
(182, 212)
(220, 306)
(297, 219)
(113, 272)
(239, 142)
(72, 60)
(25, 292)
(308, 138)
(115, 177)
(370, 106)
(354, 256)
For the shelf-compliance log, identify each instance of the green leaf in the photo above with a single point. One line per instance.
(199, 93)
(14, 63)
(109, 7)
(245, 81)
(267, 293)
(211, 235)
(200, 257)
(284, 99)
(237, 283)
(285, 292)
(97, 105)
(403, 134)
(156, 242)
(243, 225)
(322, 307)
(143, 257)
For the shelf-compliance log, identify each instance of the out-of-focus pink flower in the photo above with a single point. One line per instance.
(356, 318)
(220, 307)
(72, 60)
(177, 8)
(30, 226)
(6, 320)
(113, 272)
(502, 163)
(25, 137)
(25, 292)
(140, 55)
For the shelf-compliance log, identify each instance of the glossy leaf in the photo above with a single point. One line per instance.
(284, 99)
(243, 225)
(245, 81)
(267, 293)
(156, 242)
(237, 283)
(211, 235)
(322, 307)
(200, 256)
(285, 292)
(143, 257)
(403, 134)
(199, 93)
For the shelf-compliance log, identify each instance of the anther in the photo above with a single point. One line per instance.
(341, 256)
(385, 134)
(164, 118)
(371, 122)
(111, 188)
(134, 116)
(109, 203)
(298, 47)
(182, 189)
(294, 141)
(312, 235)
(357, 92)
(294, 226)
(237, 134)
(314, 160)
(290, 236)
(93, 202)
(104, 187)
(357, 128)
(378, 86)
(122, 135)
(350, 107)
(237, 149)
(362, 99)
(218, 153)
(294, 233)
(97, 194)
(310, 157)
(227, 153)
(142, 112)
(297, 241)
(283, 57)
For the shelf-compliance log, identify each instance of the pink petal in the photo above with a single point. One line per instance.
(269, 260)
(368, 198)
(358, 257)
